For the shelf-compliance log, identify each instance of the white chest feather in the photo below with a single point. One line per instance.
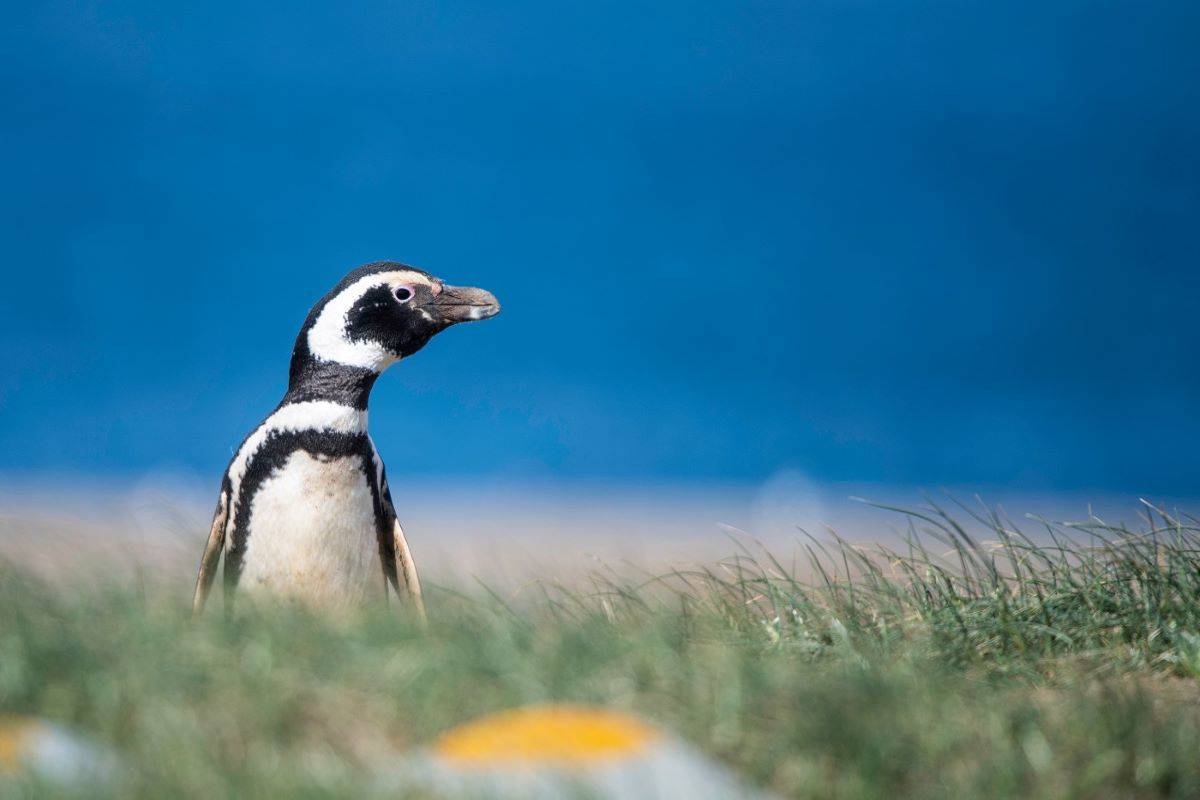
(311, 533)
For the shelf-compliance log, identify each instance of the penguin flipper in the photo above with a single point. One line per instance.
(393, 548)
(408, 568)
(212, 554)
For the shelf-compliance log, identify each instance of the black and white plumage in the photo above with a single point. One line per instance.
(304, 509)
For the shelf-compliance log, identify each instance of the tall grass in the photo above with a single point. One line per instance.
(985, 593)
(977, 659)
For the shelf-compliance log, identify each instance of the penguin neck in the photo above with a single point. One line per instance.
(312, 379)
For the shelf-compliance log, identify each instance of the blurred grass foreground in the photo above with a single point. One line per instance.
(971, 660)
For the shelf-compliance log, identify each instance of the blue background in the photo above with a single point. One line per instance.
(908, 242)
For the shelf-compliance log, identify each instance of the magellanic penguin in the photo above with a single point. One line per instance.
(304, 509)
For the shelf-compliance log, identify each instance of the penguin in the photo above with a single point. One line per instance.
(304, 510)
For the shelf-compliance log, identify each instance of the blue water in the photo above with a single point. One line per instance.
(911, 243)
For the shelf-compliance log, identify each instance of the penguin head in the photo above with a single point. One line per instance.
(386, 311)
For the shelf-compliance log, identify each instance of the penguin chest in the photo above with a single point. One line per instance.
(312, 534)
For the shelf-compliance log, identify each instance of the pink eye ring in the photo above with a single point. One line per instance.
(403, 293)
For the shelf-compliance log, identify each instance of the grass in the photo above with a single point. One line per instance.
(976, 660)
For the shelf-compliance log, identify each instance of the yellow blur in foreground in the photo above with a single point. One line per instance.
(554, 751)
(566, 734)
(15, 734)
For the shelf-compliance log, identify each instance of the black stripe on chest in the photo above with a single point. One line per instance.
(271, 457)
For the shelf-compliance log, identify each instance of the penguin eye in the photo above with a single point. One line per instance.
(403, 293)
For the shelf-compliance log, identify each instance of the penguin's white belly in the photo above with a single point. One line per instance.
(312, 533)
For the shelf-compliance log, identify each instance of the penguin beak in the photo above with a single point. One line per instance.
(465, 304)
